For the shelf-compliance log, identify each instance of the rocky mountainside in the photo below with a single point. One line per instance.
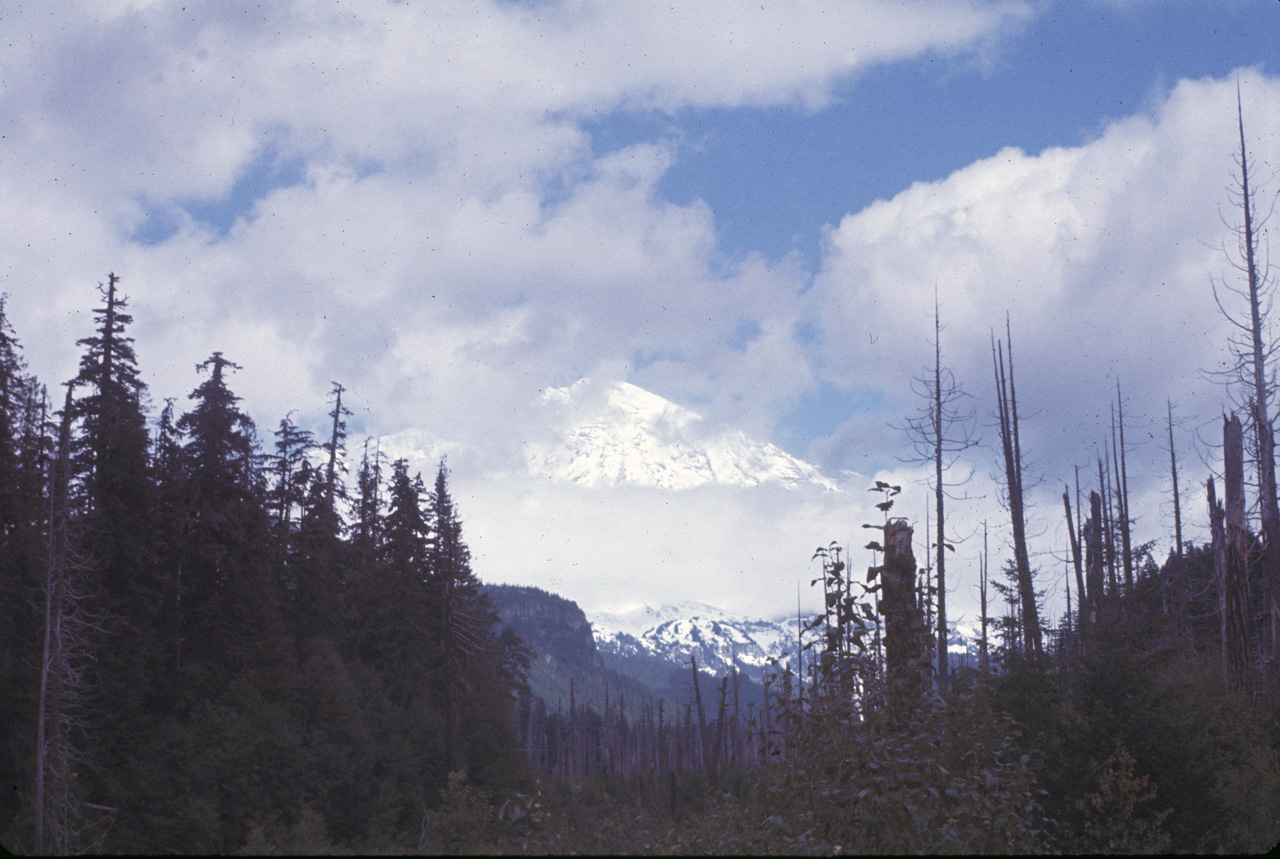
(567, 655)
(625, 434)
(564, 664)
(672, 634)
(642, 653)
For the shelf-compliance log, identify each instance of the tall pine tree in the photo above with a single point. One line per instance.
(230, 604)
(24, 450)
(466, 617)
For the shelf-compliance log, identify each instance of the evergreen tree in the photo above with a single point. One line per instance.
(113, 491)
(291, 472)
(111, 459)
(319, 555)
(335, 447)
(309, 548)
(367, 531)
(466, 616)
(220, 452)
(391, 623)
(229, 604)
(24, 449)
(317, 567)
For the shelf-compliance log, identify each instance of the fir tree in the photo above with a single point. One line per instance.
(24, 449)
(466, 616)
(291, 472)
(391, 624)
(110, 457)
(230, 607)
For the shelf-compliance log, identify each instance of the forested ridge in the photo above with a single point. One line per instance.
(208, 643)
(215, 642)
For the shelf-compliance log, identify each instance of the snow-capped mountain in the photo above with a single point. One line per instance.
(672, 633)
(630, 435)
(720, 639)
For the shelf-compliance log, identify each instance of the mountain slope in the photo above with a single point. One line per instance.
(564, 664)
(673, 634)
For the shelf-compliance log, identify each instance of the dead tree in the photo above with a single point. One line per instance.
(984, 659)
(940, 434)
(336, 438)
(1122, 493)
(66, 663)
(699, 746)
(1076, 560)
(1230, 561)
(1177, 504)
(904, 639)
(1094, 558)
(1007, 399)
(1253, 351)
(1108, 518)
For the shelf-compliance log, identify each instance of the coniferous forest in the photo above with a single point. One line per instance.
(217, 640)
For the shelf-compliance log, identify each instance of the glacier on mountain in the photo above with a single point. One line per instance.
(718, 639)
(636, 437)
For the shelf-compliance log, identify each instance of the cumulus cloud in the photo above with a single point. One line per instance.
(1100, 254)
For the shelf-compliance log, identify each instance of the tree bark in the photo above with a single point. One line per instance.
(1094, 556)
(903, 641)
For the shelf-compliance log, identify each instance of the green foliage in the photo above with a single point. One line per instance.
(950, 779)
(466, 821)
(1203, 749)
(1113, 822)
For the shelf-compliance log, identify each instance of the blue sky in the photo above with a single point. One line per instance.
(745, 208)
(776, 177)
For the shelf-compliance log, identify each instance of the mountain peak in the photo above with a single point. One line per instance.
(720, 640)
(633, 436)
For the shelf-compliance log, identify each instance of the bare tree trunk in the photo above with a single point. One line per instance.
(939, 496)
(984, 653)
(942, 430)
(1067, 638)
(1177, 504)
(1007, 398)
(1253, 351)
(1233, 583)
(1108, 520)
(1267, 501)
(718, 756)
(1076, 560)
(702, 719)
(1122, 490)
(65, 662)
(904, 653)
(1094, 557)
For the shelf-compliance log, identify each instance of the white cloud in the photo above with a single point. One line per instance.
(1101, 255)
